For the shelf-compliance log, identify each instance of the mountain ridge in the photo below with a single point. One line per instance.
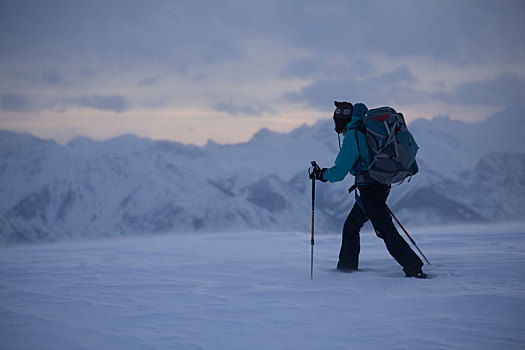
(132, 185)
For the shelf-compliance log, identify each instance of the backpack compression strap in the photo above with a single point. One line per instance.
(359, 177)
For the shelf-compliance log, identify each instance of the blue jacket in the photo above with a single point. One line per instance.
(349, 159)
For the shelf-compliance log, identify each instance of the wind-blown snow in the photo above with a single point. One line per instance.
(253, 291)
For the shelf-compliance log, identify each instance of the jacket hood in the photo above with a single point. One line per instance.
(353, 121)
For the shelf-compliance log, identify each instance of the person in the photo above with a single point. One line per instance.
(370, 204)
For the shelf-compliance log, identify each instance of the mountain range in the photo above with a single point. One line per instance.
(469, 172)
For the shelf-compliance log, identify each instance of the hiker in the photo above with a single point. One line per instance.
(370, 204)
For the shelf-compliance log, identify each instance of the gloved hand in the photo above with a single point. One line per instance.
(317, 174)
(359, 110)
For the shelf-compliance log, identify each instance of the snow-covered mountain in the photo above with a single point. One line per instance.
(131, 185)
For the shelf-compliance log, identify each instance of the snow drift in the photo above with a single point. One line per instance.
(251, 290)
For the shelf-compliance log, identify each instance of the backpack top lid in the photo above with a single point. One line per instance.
(342, 115)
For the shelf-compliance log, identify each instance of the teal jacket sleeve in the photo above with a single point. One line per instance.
(348, 154)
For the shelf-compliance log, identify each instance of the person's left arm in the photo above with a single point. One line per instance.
(347, 156)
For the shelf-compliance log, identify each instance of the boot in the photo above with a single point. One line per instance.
(419, 274)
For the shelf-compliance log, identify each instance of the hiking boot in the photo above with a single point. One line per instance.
(419, 274)
(345, 268)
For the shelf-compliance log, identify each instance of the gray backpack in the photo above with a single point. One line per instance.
(391, 147)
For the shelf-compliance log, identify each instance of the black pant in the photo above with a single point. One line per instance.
(371, 205)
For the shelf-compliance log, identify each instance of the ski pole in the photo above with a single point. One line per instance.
(312, 240)
(315, 166)
(410, 238)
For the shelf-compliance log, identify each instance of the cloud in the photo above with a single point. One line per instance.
(14, 102)
(149, 81)
(398, 76)
(303, 68)
(504, 90)
(401, 87)
(177, 55)
(188, 33)
(452, 31)
(324, 65)
(391, 87)
(115, 103)
(162, 31)
(52, 78)
(243, 110)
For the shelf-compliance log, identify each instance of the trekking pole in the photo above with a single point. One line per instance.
(315, 166)
(312, 241)
(410, 238)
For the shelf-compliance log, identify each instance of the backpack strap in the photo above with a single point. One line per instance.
(358, 126)
(362, 176)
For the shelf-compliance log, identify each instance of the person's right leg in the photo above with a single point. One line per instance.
(374, 198)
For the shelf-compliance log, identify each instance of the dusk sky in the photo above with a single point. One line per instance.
(191, 71)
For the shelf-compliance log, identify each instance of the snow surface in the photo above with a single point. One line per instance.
(253, 291)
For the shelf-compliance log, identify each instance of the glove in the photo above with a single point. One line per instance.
(359, 110)
(317, 174)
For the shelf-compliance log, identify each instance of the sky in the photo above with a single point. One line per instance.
(193, 71)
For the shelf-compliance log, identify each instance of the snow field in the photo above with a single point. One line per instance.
(253, 291)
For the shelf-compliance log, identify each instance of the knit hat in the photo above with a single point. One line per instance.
(342, 115)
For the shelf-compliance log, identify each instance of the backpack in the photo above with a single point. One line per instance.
(391, 147)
